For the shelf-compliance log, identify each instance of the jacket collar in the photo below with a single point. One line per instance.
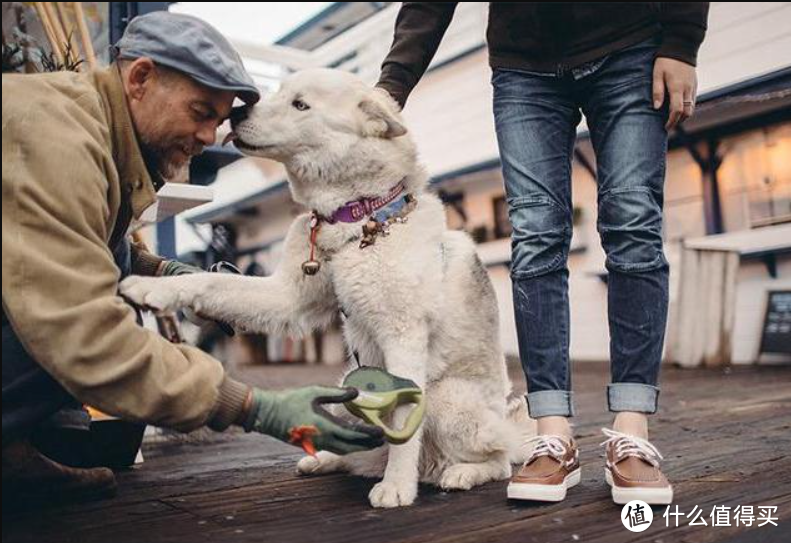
(136, 180)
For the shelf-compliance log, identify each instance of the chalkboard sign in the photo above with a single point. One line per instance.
(776, 336)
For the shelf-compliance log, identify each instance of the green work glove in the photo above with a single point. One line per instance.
(297, 416)
(174, 267)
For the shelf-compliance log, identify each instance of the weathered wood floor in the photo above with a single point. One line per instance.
(726, 437)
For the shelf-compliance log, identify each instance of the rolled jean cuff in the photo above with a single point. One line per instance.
(636, 397)
(550, 403)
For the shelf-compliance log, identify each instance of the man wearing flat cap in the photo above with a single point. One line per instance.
(83, 155)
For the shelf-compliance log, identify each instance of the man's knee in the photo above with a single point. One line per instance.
(630, 225)
(541, 236)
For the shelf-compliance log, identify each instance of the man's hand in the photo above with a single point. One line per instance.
(679, 82)
(297, 416)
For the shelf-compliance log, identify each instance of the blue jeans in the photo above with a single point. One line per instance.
(536, 116)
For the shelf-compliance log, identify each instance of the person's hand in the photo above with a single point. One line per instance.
(298, 414)
(676, 82)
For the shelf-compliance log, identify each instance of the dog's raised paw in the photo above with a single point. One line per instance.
(387, 495)
(155, 293)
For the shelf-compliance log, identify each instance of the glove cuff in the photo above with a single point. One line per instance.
(258, 415)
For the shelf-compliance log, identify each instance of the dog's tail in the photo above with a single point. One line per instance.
(523, 428)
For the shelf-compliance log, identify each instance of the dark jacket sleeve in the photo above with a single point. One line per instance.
(683, 28)
(143, 262)
(418, 32)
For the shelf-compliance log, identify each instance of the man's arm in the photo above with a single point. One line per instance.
(418, 32)
(144, 262)
(59, 288)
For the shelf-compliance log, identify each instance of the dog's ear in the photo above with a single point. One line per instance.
(380, 122)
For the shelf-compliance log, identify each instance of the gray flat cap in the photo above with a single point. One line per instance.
(189, 45)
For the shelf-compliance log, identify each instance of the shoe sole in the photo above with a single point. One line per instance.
(650, 495)
(544, 493)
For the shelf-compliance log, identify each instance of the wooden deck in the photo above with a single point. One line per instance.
(726, 436)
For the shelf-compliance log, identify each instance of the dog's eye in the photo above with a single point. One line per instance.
(300, 105)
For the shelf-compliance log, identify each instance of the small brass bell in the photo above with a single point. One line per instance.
(370, 228)
(311, 267)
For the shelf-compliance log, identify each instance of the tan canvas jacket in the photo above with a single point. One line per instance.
(69, 153)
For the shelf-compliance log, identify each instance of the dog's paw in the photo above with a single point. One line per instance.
(155, 293)
(308, 465)
(386, 494)
(322, 462)
(459, 477)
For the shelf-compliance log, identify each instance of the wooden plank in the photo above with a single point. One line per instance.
(725, 433)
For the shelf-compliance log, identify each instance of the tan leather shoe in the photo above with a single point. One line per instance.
(551, 469)
(632, 470)
(30, 478)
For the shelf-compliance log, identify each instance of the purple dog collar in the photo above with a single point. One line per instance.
(359, 209)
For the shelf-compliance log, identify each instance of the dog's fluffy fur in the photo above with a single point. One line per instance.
(419, 302)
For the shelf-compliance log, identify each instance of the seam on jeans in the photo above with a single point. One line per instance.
(520, 202)
(540, 270)
(629, 384)
(607, 229)
(623, 190)
(658, 262)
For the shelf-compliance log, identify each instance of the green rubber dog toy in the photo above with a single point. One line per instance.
(380, 394)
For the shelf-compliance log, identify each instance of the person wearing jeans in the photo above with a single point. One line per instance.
(629, 68)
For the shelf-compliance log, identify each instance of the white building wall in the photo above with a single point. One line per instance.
(450, 116)
(752, 285)
(744, 40)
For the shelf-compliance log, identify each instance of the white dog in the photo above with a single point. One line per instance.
(418, 301)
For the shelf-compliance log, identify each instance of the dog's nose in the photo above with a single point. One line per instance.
(239, 114)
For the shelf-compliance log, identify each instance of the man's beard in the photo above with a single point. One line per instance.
(160, 160)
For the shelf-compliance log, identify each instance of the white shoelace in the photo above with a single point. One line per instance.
(546, 445)
(628, 445)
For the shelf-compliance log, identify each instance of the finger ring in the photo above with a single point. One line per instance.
(688, 102)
